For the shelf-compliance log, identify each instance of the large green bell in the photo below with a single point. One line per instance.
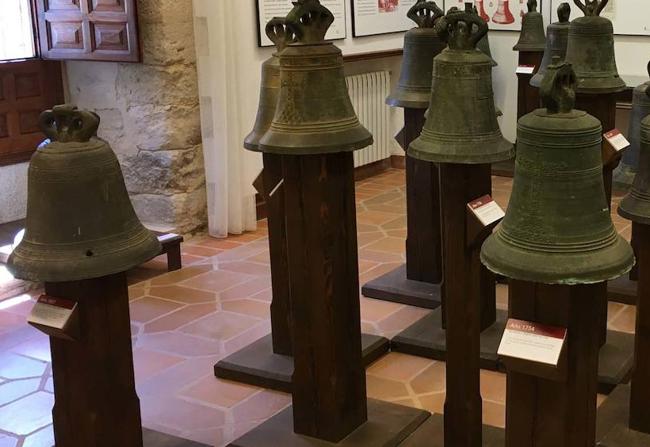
(323, 120)
(636, 205)
(270, 85)
(462, 123)
(421, 45)
(80, 221)
(558, 228)
(590, 50)
(557, 36)
(532, 36)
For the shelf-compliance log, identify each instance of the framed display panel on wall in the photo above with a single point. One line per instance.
(267, 9)
(375, 17)
(629, 17)
(504, 15)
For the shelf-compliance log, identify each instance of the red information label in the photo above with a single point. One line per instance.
(486, 210)
(57, 302)
(527, 340)
(616, 139)
(536, 328)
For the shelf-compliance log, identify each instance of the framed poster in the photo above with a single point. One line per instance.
(629, 17)
(500, 14)
(267, 9)
(373, 17)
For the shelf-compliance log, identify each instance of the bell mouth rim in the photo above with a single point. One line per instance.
(504, 151)
(398, 99)
(627, 205)
(529, 48)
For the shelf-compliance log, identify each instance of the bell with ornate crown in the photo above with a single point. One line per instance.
(532, 36)
(462, 123)
(558, 228)
(80, 221)
(557, 36)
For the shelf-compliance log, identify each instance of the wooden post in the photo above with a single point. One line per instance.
(459, 185)
(95, 399)
(329, 384)
(527, 95)
(558, 413)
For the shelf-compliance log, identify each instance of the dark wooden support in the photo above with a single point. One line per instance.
(561, 412)
(527, 95)
(418, 282)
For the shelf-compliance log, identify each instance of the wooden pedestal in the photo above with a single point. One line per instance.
(418, 282)
(431, 434)
(268, 362)
(96, 404)
(547, 412)
(527, 95)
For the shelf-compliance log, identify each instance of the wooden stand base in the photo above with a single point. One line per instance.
(431, 434)
(427, 338)
(504, 168)
(613, 418)
(396, 287)
(152, 438)
(622, 290)
(258, 365)
(388, 425)
(615, 361)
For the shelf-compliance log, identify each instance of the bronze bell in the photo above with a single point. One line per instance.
(80, 221)
(590, 50)
(323, 120)
(532, 30)
(624, 174)
(636, 205)
(462, 123)
(484, 43)
(421, 45)
(557, 36)
(558, 228)
(270, 85)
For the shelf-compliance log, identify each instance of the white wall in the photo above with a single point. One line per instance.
(13, 199)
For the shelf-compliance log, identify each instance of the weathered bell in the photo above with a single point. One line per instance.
(557, 36)
(590, 50)
(421, 45)
(558, 228)
(627, 169)
(636, 205)
(322, 121)
(462, 123)
(270, 85)
(80, 221)
(532, 36)
(484, 43)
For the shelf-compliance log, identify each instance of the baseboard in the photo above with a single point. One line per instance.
(398, 161)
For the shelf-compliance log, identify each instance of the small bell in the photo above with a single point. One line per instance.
(80, 221)
(558, 228)
(624, 174)
(590, 50)
(270, 85)
(462, 122)
(322, 121)
(557, 36)
(532, 30)
(421, 45)
(636, 205)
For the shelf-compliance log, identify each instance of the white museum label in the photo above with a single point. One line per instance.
(486, 210)
(52, 312)
(525, 69)
(531, 341)
(616, 139)
(167, 237)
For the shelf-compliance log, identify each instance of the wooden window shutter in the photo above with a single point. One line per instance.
(26, 89)
(99, 30)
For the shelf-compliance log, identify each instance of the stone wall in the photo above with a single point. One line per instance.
(150, 116)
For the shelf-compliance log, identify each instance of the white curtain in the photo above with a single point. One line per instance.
(228, 63)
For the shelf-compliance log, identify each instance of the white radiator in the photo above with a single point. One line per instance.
(368, 93)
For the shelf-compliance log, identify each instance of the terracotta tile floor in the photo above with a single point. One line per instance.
(183, 322)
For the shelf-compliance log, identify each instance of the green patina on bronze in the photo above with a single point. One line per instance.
(532, 36)
(462, 123)
(636, 205)
(590, 50)
(557, 36)
(421, 45)
(277, 31)
(80, 221)
(558, 228)
(314, 114)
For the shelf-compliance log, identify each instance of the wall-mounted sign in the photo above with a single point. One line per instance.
(501, 14)
(267, 9)
(373, 17)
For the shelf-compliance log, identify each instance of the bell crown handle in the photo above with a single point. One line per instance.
(309, 21)
(461, 30)
(558, 88)
(532, 5)
(591, 7)
(278, 32)
(66, 123)
(564, 12)
(425, 13)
